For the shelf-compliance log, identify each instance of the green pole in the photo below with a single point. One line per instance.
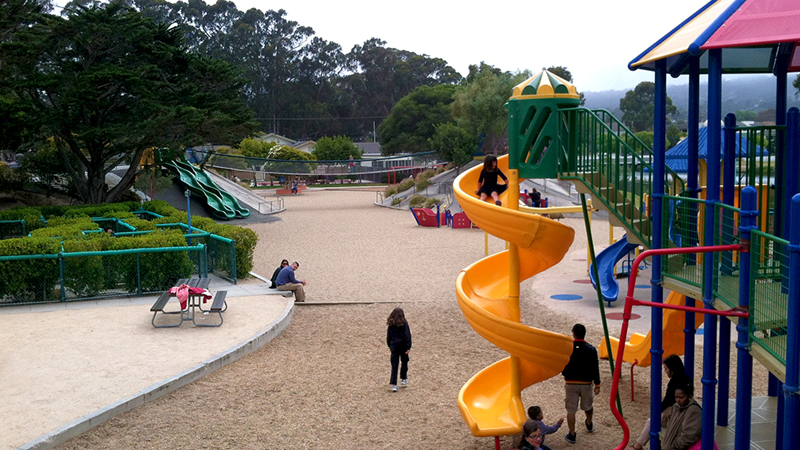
(599, 291)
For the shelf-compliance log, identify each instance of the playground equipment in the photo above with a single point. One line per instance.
(425, 217)
(606, 261)
(488, 294)
(221, 204)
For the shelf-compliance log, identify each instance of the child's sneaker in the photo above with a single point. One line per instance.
(403, 383)
(589, 426)
(394, 388)
(498, 203)
(571, 437)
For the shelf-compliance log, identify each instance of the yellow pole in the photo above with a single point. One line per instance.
(513, 282)
(588, 250)
(486, 243)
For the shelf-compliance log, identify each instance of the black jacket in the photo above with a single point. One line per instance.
(584, 365)
(399, 338)
(275, 277)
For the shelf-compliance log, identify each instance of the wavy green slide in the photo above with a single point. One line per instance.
(209, 185)
(214, 201)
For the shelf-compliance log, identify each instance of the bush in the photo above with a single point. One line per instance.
(431, 202)
(417, 201)
(397, 201)
(140, 224)
(422, 183)
(246, 240)
(426, 175)
(33, 280)
(390, 191)
(31, 216)
(405, 185)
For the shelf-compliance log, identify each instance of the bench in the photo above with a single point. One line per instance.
(158, 307)
(218, 306)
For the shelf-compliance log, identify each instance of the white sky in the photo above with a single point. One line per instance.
(594, 39)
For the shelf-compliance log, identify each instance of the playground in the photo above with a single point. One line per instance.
(323, 380)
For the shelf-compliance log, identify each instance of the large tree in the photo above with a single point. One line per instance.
(109, 83)
(638, 107)
(337, 148)
(479, 105)
(413, 119)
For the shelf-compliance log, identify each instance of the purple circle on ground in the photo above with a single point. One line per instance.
(643, 286)
(618, 316)
(583, 281)
(584, 259)
(566, 297)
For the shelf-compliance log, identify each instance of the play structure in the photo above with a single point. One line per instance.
(219, 202)
(606, 261)
(731, 257)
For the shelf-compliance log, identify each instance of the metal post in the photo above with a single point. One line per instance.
(657, 293)
(744, 360)
(791, 388)
(782, 195)
(791, 184)
(138, 275)
(188, 195)
(61, 277)
(692, 186)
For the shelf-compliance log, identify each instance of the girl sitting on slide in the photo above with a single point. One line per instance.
(487, 181)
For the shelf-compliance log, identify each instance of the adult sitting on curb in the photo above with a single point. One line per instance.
(275, 274)
(287, 282)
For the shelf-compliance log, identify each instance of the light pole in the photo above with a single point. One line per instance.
(189, 208)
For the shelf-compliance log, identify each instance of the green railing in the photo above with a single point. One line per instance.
(676, 185)
(683, 228)
(70, 276)
(726, 264)
(769, 301)
(617, 175)
(756, 167)
(221, 255)
(13, 229)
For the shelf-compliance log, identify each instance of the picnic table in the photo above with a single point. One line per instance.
(196, 300)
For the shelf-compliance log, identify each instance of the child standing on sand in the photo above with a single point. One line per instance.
(398, 339)
(487, 181)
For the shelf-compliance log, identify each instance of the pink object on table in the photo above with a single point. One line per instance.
(183, 291)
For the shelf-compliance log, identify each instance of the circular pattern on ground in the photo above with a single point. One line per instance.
(643, 286)
(618, 316)
(579, 259)
(583, 281)
(566, 297)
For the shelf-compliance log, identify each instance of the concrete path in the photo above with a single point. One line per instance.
(66, 367)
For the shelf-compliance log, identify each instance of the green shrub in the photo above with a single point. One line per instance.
(32, 280)
(417, 201)
(397, 201)
(426, 175)
(405, 185)
(140, 224)
(246, 240)
(31, 216)
(422, 183)
(158, 270)
(159, 207)
(390, 191)
(431, 202)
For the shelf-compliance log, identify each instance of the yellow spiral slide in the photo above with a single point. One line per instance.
(488, 294)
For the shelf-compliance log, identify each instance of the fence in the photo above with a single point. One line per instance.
(13, 228)
(70, 276)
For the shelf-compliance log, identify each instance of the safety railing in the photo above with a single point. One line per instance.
(769, 303)
(684, 228)
(675, 183)
(755, 166)
(725, 277)
(221, 255)
(617, 175)
(69, 276)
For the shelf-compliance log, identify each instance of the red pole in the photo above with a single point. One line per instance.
(497, 442)
(626, 316)
(635, 362)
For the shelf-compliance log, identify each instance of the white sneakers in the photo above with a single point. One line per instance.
(403, 383)
(394, 388)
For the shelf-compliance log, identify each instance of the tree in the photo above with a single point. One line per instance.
(413, 119)
(453, 143)
(337, 148)
(638, 107)
(796, 84)
(256, 148)
(479, 106)
(109, 83)
(673, 136)
(745, 115)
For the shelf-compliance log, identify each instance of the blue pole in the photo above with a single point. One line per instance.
(781, 171)
(791, 183)
(712, 195)
(744, 360)
(656, 321)
(692, 186)
(791, 388)
(779, 423)
(729, 162)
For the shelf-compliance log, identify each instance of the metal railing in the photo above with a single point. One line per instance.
(13, 229)
(769, 302)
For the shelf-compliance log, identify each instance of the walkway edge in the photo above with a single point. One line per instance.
(85, 423)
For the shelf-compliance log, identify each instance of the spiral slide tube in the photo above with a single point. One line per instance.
(488, 294)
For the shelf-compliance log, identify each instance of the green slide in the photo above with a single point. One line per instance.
(204, 179)
(214, 201)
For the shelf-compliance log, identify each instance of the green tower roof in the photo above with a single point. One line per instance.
(544, 85)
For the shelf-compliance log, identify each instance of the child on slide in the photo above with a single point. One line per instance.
(487, 181)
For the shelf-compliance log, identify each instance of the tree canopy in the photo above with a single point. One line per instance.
(413, 119)
(108, 83)
(638, 107)
(337, 148)
(453, 143)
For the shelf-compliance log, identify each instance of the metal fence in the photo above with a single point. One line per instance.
(13, 229)
(69, 276)
(769, 304)
(726, 264)
(685, 229)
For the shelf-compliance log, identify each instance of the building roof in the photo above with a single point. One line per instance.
(678, 156)
(750, 32)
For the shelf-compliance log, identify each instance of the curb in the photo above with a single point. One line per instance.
(164, 387)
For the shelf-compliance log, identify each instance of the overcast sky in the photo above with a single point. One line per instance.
(594, 39)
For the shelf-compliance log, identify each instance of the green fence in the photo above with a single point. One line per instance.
(13, 229)
(221, 254)
(69, 276)
(685, 228)
(769, 303)
(726, 264)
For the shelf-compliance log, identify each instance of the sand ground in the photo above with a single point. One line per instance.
(323, 382)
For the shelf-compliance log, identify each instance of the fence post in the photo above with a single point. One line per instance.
(233, 258)
(138, 275)
(61, 276)
(203, 269)
(744, 364)
(791, 388)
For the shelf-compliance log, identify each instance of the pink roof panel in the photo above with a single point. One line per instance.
(759, 22)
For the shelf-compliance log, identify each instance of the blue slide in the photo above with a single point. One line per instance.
(606, 260)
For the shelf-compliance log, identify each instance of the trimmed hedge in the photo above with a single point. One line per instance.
(29, 280)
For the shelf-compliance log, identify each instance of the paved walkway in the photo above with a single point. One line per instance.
(69, 366)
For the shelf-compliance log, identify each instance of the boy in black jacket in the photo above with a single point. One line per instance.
(582, 370)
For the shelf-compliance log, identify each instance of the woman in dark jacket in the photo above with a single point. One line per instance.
(284, 263)
(398, 339)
